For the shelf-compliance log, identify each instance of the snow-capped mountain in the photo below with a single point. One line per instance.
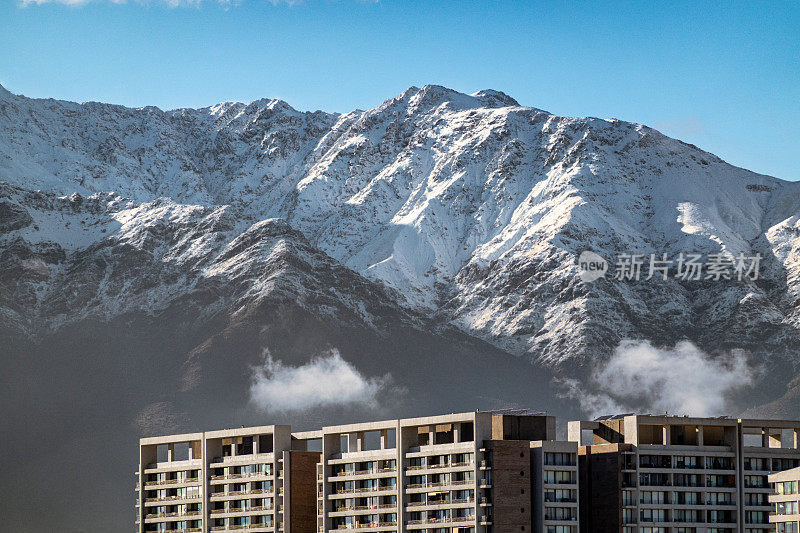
(150, 259)
(471, 207)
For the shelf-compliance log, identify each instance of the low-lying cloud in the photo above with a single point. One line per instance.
(325, 380)
(640, 377)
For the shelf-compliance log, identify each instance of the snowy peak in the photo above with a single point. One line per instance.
(471, 207)
(494, 98)
(429, 97)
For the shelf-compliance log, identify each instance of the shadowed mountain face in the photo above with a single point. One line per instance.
(154, 264)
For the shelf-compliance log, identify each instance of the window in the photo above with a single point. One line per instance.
(654, 480)
(655, 461)
(653, 497)
(723, 498)
(688, 461)
(755, 482)
(559, 459)
(653, 515)
(786, 508)
(628, 516)
(685, 515)
(559, 477)
(756, 517)
(559, 513)
(559, 495)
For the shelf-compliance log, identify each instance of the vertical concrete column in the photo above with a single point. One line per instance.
(665, 434)
(765, 437)
(384, 439)
(256, 444)
(456, 432)
(352, 442)
(796, 434)
(233, 447)
(170, 452)
(432, 434)
(700, 435)
(205, 475)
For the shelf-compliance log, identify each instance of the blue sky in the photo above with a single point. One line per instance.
(723, 77)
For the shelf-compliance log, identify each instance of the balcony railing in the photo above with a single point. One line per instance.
(171, 481)
(444, 520)
(241, 527)
(438, 484)
(367, 525)
(242, 510)
(172, 515)
(240, 476)
(360, 490)
(172, 498)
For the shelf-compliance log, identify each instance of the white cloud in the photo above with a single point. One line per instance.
(324, 381)
(681, 380)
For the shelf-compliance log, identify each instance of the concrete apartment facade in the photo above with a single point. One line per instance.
(458, 473)
(477, 472)
(669, 474)
(785, 499)
(247, 479)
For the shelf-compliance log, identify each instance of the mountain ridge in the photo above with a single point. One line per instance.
(151, 261)
(427, 191)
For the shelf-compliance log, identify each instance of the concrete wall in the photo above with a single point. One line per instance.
(600, 468)
(302, 505)
(512, 498)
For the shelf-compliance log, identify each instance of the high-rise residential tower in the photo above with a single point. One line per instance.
(670, 474)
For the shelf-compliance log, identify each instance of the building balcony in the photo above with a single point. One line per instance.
(237, 494)
(376, 491)
(174, 499)
(253, 528)
(447, 467)
(560, 520)
(372, 526)
(454, 503)
(173, 466)
(156, 483)
(420, 487)
(240, 512)
(165, 516)
(420, 524)
(249, 475)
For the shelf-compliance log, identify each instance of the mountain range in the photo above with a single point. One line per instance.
(152, 261)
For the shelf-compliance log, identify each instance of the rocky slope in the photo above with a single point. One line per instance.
(472, 207)
(148, 259)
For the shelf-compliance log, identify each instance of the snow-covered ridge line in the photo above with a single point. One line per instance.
(472, 207)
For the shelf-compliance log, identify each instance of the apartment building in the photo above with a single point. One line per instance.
(785, 499)
(457, 473)
(477, 472)
(555, 490)
(669, 474)
(247, 479)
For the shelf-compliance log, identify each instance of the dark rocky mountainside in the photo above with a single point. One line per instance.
(151, 262)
